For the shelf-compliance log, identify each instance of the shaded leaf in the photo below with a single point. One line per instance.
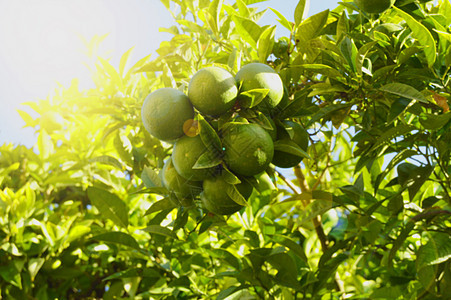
(290, 244)
(157, 229)
(404, 90)
(290, 147)
(118, 237)
(159, 205)
(434, 122)
(236, 196)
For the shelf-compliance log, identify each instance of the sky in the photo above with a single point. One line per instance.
(41, 45)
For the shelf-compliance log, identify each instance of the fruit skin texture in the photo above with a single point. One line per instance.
(374, 6)
(300, 137)
(215, 199)
(261, 76)
(184, 190)
(249, 149)
(185, 153)
(164, 112)
(213, 91)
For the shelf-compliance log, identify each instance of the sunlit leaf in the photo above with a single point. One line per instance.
(420, 32)
(109, 205)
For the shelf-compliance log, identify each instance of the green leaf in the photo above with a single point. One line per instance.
(417, 179)
(290, 244)
(234, 293)
(263, 121)
(160, 205)
(236, 196)
(265, 43)
(251, 98)
(109, 205)
(361, 55)
(282, 20)
(319, 68)
(167, 77)
(422, 34)
(209, 136)
(301, 11)
(207, 160)
(323, 112)
(342, 26)
(413, 177)
(397, 244)
(45, 145)
(437, 250)
(349, 51)
(291, 148)
(229, 177)
(398, 158)
(434, 122)
(29, 120)
(107, 160)
(311, 28)
(111, 71)
(118, 237)
(405, 91)
(214, 11)
(123, 147)
(157, 229)
(153, 190)
(124, 60)
(387, 292)
(10, 274)
(390, 134)
(150, 178)
(248, 30)
(398, 107)
(34, 265)
(286, 269)
(134, 272)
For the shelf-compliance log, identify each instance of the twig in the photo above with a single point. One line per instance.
(287, 182)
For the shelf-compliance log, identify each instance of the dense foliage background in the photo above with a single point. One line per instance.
(367, 216)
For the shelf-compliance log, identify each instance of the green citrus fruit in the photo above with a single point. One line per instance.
(300, 137)
(185, 153)
(212, 90)
(280, 48)
(248, 148)
(260, 76)
(374, 6)
(164, 112)
(215, 198)
(184, 190)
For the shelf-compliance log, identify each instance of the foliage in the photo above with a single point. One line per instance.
(366, 215)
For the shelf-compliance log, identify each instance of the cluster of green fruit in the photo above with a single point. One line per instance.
(223, 135)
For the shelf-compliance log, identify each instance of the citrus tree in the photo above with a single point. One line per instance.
(241, 165)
